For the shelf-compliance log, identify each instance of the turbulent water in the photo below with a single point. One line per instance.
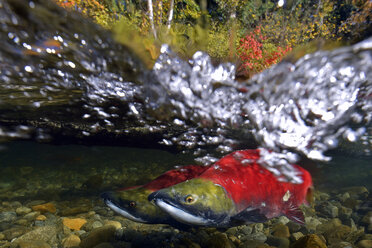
(85, 85)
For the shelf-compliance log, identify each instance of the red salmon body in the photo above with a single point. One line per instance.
(252, 186)
(175, 176)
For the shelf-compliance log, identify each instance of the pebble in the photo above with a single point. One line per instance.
(104, 245)
(220, 240)
(312, 223)
(41, 217)
(365, 244)
(114, 223)
(341, 244)
(23, 210)
(8, 216)
(309, 241)
(22, 222)
(31, 244)
(46, 207)
(2, 236)
(97, 236)
(75, 223)
(71, 241)
(337, 233)
(279, 242)
(31, 215)
(14, 232)
(296, 236)
(281, 231)
(45, 233)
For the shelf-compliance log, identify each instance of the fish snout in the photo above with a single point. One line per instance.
(154, 196)
(108, 196)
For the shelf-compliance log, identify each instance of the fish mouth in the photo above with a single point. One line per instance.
(113, 202)
(176, 211)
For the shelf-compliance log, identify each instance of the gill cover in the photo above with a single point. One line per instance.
(195, 202)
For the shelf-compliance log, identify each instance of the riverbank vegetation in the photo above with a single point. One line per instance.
(253, 34)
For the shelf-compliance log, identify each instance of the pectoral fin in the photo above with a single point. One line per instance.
(249, 215)
(295, 214)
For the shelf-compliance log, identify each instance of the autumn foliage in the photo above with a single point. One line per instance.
(256, 55)
(255, 34)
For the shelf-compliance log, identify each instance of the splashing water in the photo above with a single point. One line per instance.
(87, 85)
(303, 107)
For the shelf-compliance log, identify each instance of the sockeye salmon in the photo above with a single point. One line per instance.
(132, 202)
(235, 190)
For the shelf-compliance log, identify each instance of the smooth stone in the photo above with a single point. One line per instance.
(31, 244)
(337, 234)
(321, 196)
(46, 207)
(31, 216)
(114, 223)
(351, 203)
(344, 196)
(41, 217)
(341, 244)
(15, 204)
(296, 236)
(35, 202)
(235, 230)
(22, 222)
(327, 209)
(45, 233)
(246, 230)
(367, 218)
(281, 231)
(367, 236)
(91, 224)
(220, 240)
(360, 191)
(71, 241)
(293, 227)
(104, 245)
(345, 213)
(8, 216)
(260, 237)
(258, 228)
(365, 243)
(309, 241)
(312, 223)
(14, 232)
(279, 242)
(250, 244)
(75, 223)
(99, 235)
(330, 225)
(23, 210)
(283, 220)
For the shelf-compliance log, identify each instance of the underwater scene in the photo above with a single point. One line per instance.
(98, 150)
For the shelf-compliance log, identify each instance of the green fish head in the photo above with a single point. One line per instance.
(195, 202)
(133, 205)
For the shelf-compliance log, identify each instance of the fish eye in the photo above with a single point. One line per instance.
(189, 199)
(132, 204)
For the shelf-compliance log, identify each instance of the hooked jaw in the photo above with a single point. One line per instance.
(178, 212)
(113, 202)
